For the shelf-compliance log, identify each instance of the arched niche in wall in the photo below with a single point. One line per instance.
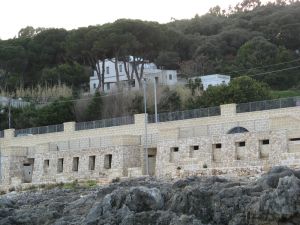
(237, 130)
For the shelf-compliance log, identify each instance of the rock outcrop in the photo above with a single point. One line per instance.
(273, 199)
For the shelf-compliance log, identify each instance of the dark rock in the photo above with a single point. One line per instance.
(273, 199)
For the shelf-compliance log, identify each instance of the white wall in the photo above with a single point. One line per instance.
(150, 72)
(214, 80)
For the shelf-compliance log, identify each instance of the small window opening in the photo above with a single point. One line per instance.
(60, 165)
(242, 144)
(174, 149)
(107, 161)
(75, 163)
(46, 165)
(219, 145)
(265, 142)
(92, 160)
(196, 147)
(295, 139)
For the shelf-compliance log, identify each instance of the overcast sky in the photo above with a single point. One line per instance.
(69, 14)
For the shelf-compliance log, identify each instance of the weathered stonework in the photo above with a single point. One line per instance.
(201, 146)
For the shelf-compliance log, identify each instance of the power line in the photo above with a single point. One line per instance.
(274, 71)
(260, 67)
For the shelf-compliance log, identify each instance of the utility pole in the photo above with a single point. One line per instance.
(146, 138)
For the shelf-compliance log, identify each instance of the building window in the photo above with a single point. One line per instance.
(107, 70)
(94, 86)
(60, 165)
(75, 163)
(133, 83)
(107, 161)
(174, 149)
(265, 142)
(218, 145)
(92, 160)
(46, 165)
(170, 77)
(120, 68)
(237, 130)
(196, 147)
(242, 144)
(108, 86)
(295, 139)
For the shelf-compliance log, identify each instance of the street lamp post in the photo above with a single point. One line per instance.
(9, 113)
(155, 99)
(146, 122)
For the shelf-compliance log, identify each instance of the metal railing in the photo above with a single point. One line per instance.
(39, 130)
(268, 104)
(1, 133)
(187, 114)
(125, 120)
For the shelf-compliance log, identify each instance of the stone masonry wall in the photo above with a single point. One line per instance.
(215, 150)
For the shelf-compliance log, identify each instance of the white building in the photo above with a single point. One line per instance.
(164, 77)
(213, 80)
(14, 103)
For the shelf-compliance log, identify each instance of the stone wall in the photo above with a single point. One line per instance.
(183, 147)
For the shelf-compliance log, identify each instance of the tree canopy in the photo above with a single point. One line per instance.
(248, 39)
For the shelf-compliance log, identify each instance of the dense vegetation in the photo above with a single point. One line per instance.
(251, 39)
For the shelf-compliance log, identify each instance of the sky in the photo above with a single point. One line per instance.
(71, 14)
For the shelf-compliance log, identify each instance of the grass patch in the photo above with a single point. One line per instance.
(285, 94)
(31, 188)
(52, 186)
(90, 183)
(72, 185)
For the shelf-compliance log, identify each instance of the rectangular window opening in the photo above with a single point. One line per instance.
(265, 142)
(46, 165)
(92, 160)
(196, 147)
(218, 145)
(174, 149)
(120, 68)
(60, 165)
(107, 70)
(133, 83)
(170, 77)
(242, 144)
(75, 164)
(295, 139)
(107, 161)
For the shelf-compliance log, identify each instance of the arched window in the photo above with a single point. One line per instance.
(237, 130)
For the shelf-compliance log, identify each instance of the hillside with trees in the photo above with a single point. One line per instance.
(252, 39)
(248, 39)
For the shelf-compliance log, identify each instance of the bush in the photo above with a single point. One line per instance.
(240, 90)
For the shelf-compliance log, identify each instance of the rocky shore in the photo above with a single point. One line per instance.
(272, 199)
